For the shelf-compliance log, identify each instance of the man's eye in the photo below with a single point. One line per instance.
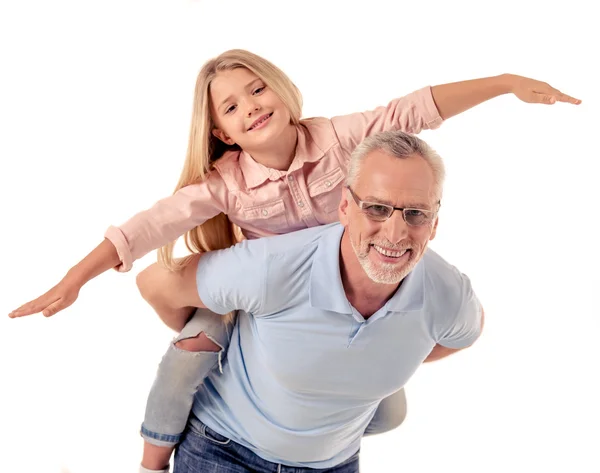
(378, 210)
(415, 213)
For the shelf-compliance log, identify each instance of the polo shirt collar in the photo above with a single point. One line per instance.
(327, 291)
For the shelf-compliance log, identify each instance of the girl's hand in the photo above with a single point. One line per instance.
(533, 91)
(56, 299)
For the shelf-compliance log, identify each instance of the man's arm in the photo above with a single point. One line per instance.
(440, 351)
(221, 281)
(172, 294)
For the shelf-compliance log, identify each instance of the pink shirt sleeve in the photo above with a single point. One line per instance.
(412, 113)
(168, 219)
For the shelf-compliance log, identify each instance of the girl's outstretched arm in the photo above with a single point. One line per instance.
(165, 221)
(457, 97)
(100, 259)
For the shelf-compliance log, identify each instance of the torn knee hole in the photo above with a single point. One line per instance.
(200, 342)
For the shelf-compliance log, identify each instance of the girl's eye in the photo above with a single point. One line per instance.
(259, 90)
(230, 109)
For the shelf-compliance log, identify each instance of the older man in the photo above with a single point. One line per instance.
(332, 320)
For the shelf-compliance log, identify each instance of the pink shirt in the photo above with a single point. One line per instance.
(264, 201)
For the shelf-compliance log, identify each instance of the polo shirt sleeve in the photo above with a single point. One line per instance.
(234, 278)
(465, 327)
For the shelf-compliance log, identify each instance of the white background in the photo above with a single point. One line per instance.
(95, 103)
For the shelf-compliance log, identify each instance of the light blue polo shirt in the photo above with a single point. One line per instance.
(305, 371)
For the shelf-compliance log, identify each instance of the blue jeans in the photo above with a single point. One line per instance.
(203, 450)
(181, 372)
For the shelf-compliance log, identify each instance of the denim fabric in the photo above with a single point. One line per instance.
(205, 451)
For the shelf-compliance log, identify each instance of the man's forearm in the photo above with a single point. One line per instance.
(457, 97)
(439, 352)
(175, 319)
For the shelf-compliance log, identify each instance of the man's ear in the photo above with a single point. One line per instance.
(343, 208)
(221, 135)
(435, 224)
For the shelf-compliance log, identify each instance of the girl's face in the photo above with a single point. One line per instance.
(246, 112)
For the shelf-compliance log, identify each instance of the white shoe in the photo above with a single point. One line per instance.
(146, 470)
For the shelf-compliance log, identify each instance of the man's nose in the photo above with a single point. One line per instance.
(395, 229)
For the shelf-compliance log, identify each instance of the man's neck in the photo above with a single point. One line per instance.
(365, 295)
(280, 153)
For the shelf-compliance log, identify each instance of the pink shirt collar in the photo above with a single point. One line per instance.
(255, 173)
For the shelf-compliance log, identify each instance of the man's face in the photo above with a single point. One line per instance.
(388, 250)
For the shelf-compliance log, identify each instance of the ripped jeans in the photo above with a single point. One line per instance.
(181, 372)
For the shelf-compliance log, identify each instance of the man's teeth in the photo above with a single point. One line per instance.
(392, 254)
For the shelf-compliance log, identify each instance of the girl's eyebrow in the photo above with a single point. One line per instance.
(247, 86)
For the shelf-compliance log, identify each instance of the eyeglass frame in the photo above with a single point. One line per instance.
(361, 204)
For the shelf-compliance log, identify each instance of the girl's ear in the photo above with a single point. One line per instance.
(221, 135)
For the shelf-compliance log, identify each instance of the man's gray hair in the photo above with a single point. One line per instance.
(400, 145)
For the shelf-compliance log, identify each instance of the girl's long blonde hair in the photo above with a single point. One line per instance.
(204, 149)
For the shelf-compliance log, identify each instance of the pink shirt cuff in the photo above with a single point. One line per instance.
(432, 115)
(116, 237)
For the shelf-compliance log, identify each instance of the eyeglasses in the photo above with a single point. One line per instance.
(381, 212)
